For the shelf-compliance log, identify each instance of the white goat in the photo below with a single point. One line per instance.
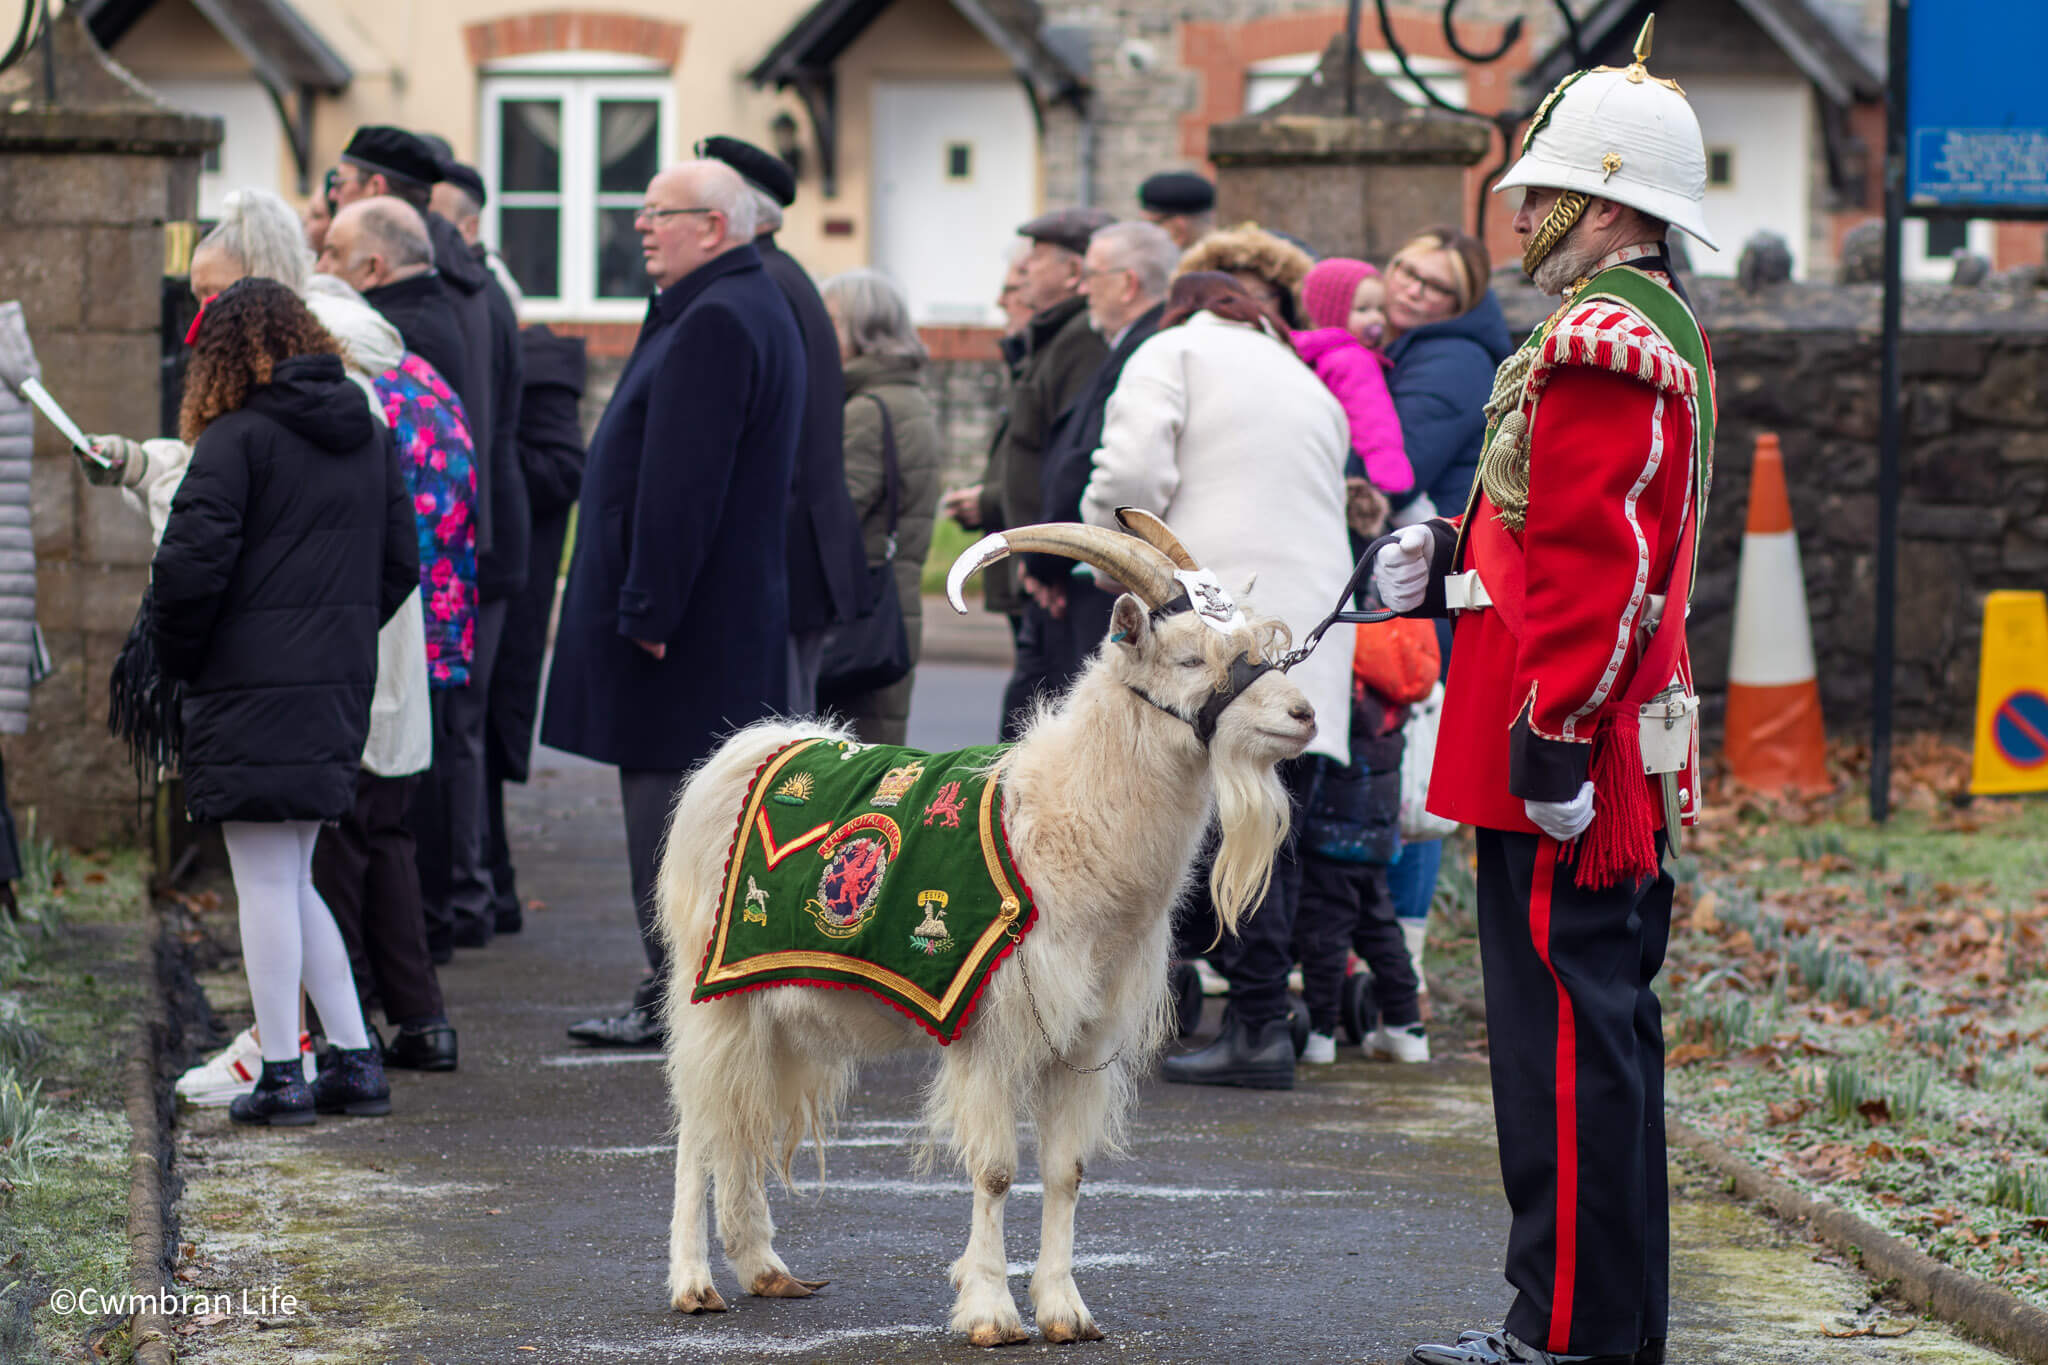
(1105, 799)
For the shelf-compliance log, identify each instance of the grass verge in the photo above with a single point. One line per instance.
(71, 991)
(1862, 1010)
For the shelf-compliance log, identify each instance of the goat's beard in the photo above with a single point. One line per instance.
(1253, 811)
(1569, 261)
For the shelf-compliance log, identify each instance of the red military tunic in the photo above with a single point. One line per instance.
(1610, 408)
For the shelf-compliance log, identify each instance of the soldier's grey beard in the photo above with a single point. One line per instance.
(1568, 261)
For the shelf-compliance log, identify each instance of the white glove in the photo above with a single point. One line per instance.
(1401, 573)
(1563, 821)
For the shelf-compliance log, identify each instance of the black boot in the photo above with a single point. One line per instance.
(422, 1047)
(351, 1081)
(1258, 1058)
(281, 1099)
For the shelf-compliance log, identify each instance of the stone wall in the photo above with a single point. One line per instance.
(85, 190)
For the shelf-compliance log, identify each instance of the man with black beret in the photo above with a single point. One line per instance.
(1181, 202)
(449, 814)
(827, 564)
(459, 196)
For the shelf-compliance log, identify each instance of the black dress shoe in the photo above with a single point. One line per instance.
(1501, 1348)
(1651, 1352)
(637, 1027)
(1257, 1057)
(422, 1047)
(474, 933)
(508, 921)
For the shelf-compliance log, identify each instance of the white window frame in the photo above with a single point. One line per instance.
(579, 84)
(1916, 264)
(1445, 77)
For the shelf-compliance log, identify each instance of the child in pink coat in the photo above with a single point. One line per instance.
(1343, 298)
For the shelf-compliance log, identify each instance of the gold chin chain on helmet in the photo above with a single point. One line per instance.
(1563, 214)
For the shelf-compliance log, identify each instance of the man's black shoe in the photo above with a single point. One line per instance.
(1260, 1058)
(439, 950)
(421, 1047)
(637, 1027)
(474, 933)
(1501, 1348)
(508, 921)
(1651, 1352)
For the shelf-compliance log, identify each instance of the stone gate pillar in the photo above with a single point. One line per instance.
(87, 183)
(1350, 185)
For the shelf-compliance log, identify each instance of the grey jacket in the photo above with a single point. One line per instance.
(17, 563)
(898, 382)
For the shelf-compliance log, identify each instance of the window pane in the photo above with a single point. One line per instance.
(628, 145)
(530, 146)
(621, 273)
(531, 242)
(1947, 236)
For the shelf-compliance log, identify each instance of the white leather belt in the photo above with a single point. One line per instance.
(1465, 592)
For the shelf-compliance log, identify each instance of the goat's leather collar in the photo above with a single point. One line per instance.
(1244, 671)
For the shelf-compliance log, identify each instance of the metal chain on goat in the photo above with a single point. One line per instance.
(1043, 1032)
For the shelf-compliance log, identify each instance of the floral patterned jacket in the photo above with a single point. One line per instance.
(435, 452)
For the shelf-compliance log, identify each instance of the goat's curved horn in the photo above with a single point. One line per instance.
(1135, 563)
(1154, 532)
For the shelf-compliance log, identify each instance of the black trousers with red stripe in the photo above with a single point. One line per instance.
(1577, 1054)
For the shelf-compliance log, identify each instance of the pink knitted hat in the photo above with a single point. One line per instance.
(1327, 291)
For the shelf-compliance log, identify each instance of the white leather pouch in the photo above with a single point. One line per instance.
(1667, 721)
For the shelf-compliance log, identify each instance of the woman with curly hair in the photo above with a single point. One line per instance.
(289, 543)
(1269, 266)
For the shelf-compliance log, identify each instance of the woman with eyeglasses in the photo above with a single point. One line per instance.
(1445, 335)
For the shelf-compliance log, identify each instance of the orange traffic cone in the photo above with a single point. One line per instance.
(1774, 737)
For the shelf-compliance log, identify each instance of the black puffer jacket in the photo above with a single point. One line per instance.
(290, 543)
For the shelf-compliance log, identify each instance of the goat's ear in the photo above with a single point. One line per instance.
(1129, 623)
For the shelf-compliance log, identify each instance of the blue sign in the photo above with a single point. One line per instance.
(2020, 729)
(1977, 105)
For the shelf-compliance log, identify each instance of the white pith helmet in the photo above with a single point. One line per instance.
(1620, 133)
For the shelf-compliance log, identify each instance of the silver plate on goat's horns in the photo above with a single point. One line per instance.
(1217, 608)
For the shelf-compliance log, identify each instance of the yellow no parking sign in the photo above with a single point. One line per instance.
(2012, 697)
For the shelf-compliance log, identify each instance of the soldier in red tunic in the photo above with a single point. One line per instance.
(1567, 733)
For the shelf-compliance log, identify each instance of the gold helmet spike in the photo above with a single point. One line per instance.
(1638, 71)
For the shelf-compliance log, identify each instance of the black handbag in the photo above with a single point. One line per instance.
(145, 709)
(872, 650)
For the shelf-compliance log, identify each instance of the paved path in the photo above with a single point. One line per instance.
(518, 1209)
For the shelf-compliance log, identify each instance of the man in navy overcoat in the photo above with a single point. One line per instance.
(675, 625)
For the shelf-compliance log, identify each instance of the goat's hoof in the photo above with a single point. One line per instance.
(780, 1284)
(997, 1334)
(1062, 1332)
(706, 1300)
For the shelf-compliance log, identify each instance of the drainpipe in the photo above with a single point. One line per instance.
(1084, 191)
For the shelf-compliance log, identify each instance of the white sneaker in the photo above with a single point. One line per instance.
(1321, 1049)
(1409, 1043)
(233, 1071)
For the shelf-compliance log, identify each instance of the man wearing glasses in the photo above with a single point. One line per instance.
(675, 624)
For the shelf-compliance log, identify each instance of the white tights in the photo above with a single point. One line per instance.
(289, 937)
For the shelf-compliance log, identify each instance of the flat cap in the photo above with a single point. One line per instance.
(1177, 192)
(764, 170)
(1069, 228)
(465, 178)
(392, 152)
